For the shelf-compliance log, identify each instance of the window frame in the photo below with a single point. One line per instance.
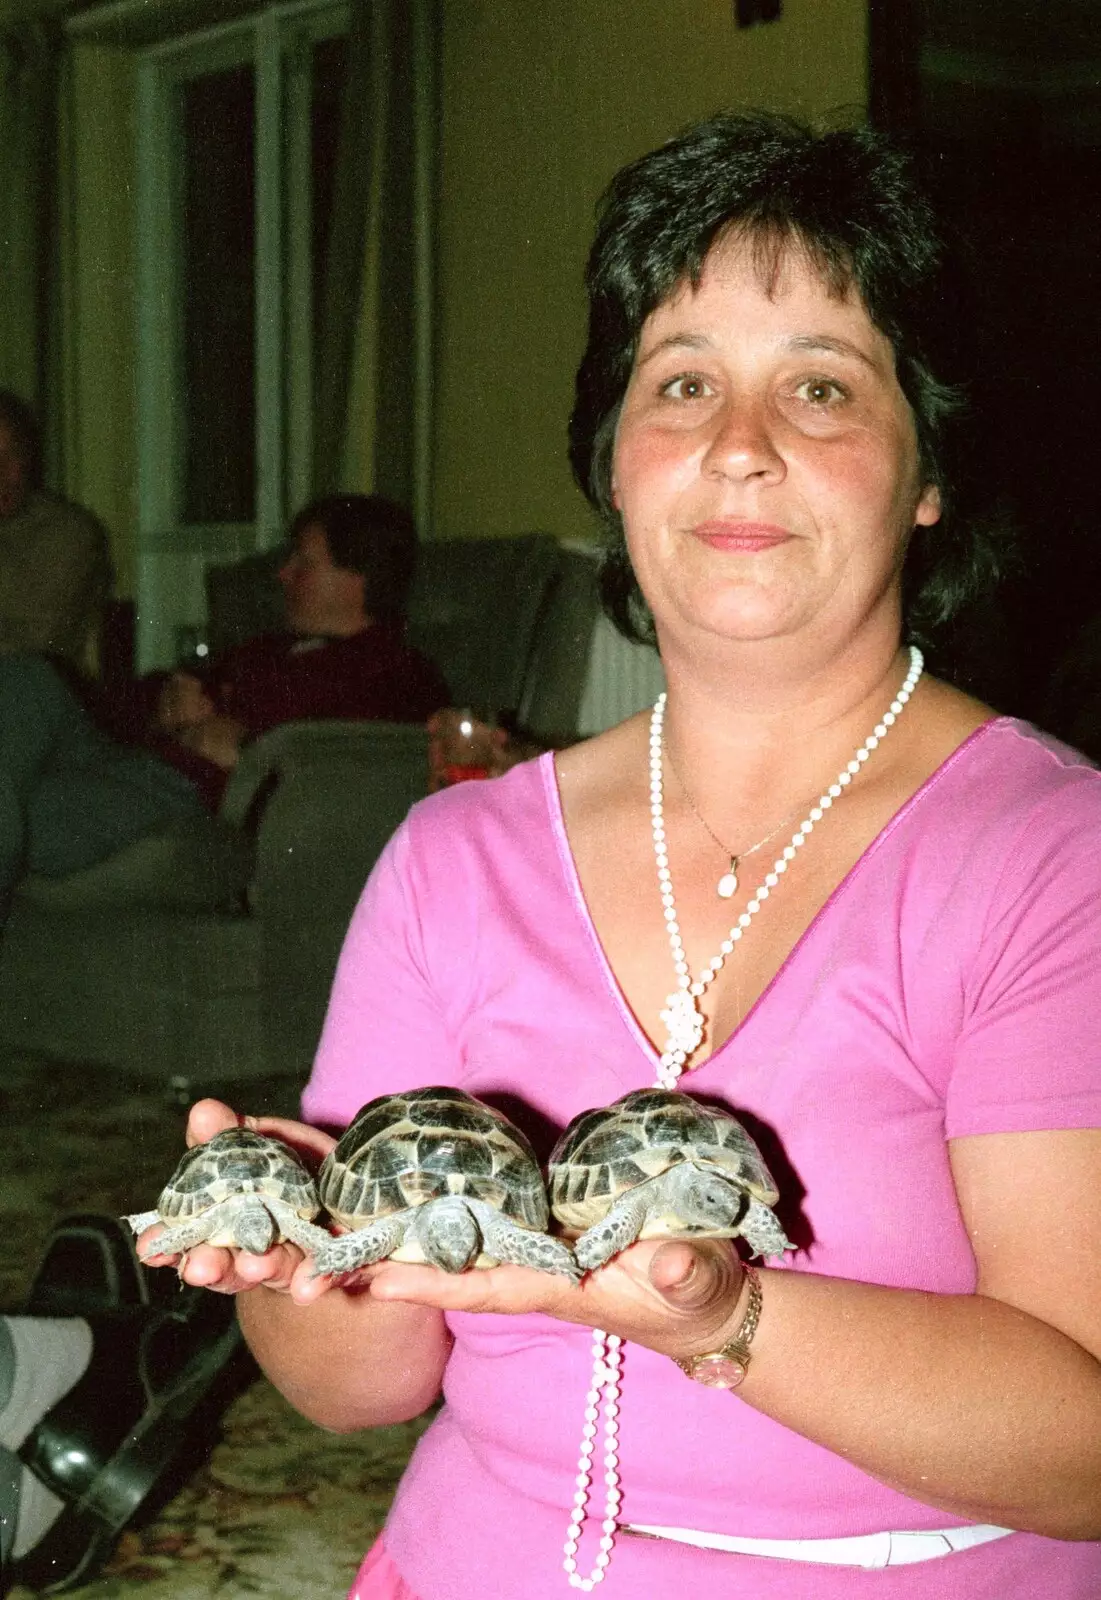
(172, 555)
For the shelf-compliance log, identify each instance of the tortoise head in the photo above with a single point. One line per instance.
(703, 1199)
(254, 1228)
(448, 1233)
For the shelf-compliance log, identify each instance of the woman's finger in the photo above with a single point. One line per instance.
(209, 1117)
(209, 1267)
(236, 1271)
(692, 1280)
(308, 1142)
(226, 1271)
(507, 1290)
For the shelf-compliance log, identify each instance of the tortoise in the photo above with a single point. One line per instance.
(435, 1175)
(655, 1164)
(240, 1189)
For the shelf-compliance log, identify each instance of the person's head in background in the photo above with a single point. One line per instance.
(351, 564)
(20, 454)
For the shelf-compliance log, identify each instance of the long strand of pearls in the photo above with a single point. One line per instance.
(603, 1396)
(684, 1022)
(682, 1016)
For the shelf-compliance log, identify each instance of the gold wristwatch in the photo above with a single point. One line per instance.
(726, 1368)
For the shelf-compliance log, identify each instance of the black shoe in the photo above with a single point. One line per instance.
(142, 1415)
(90, 1267)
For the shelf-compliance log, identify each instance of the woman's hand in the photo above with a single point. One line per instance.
(183, 703)
(283, 1268)
(679, 1297)
(218, 738)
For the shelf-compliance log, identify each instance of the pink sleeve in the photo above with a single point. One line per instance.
(1029, 1055)
(387, 1026)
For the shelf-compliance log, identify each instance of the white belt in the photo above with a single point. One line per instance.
(863, 1550)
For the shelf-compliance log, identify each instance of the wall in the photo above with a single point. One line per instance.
(540, 105)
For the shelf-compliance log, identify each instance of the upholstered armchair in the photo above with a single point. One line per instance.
(207, 956)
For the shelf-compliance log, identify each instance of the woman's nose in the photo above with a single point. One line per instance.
(742, 444)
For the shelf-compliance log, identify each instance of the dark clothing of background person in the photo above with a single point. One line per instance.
(70, 796)
(282, 677)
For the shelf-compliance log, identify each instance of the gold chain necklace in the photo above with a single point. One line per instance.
(727, 886)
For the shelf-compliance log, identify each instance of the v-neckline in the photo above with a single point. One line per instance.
(577, 894)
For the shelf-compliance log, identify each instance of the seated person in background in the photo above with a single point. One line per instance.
(55, 570)
(343, 653)
(71, 797)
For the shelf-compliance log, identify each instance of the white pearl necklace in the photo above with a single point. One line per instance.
(603, 1395)
(682, 1015)
(685, 1023)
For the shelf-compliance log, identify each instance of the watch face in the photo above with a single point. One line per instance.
(720, 1371)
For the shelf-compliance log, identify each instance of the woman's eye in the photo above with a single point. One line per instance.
(820, 391)
(689, 386)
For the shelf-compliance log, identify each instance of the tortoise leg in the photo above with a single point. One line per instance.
(183, 1236)
(140, 1220)
(612, 1233)
(522, 1246)
(306, 1235)
(362, 1247)
(761, 1230)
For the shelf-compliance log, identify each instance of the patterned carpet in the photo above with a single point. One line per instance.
(279, 1509)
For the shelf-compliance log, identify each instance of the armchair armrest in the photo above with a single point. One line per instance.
(337, 792)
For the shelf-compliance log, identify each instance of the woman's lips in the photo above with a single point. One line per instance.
(745, 536)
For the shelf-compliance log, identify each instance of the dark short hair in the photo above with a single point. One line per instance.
(371, 535)
(17, 416)
(851, 201)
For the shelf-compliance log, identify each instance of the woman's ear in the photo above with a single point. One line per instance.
(928, 507)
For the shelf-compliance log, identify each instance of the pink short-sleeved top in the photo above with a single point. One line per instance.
(950, 986)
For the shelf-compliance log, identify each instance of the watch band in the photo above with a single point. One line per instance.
(726, 1368)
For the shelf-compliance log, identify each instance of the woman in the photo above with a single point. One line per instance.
(901, 1009)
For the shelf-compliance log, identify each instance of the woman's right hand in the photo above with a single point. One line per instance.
(183, 703)
(284, 1268)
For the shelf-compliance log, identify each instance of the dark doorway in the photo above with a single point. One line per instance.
(1002, 100)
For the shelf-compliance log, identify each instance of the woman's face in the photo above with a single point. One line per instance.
(766, 462)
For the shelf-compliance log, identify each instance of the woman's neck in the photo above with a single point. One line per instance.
(769, 727)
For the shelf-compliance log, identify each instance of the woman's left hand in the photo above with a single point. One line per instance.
(219, 739)
(677, 1296)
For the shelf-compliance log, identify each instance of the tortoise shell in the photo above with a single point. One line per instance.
(403, 1150)
(237, 1162)
(605, 1152)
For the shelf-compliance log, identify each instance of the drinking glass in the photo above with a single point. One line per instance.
(464, 743)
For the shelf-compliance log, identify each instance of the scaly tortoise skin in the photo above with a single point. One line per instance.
(241, 1189)
(435, 1175)
(656, 1164)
